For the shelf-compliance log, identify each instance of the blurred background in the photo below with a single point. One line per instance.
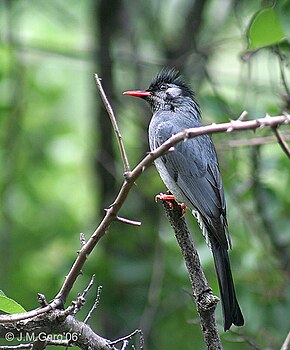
(60, 162)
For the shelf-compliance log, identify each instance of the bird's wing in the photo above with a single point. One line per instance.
(194, 167)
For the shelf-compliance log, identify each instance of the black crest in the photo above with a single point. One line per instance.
(170, 76)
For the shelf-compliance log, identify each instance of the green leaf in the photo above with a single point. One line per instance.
(9, 306)
(265, 29)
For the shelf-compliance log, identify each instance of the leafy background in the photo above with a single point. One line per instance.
(60, 165)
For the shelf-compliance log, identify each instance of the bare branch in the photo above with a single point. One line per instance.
(204, 299)
(243, 115)
(96, 303)
(53, 326)
(282, 143)
(286, 343)
(128, 337)
(128, 222)
(114, 124)
(255, 141)
(92, 281)
(16, 347)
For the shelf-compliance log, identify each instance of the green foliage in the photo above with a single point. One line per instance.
(265, 29)
(9, 305)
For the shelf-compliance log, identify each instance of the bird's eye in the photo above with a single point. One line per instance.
(163, 87)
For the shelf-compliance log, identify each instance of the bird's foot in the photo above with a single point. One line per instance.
(168, 198)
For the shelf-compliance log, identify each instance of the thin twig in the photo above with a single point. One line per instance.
(114, 124)
(83, 239)
(282, 72)
(242, 338)
(255, 141)
(286, 343)
(128, 222)
(127, 337)
(282, 143)
(92, 281)
(243, 115)
(16, 347)
(125, 344)
(42, 300)
(30, 345)
(96, 303)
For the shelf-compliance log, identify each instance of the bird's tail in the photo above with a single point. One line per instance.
(231, 309)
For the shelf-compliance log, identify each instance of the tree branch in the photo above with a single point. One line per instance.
(57, 323)
(282, 143)
(204, 299)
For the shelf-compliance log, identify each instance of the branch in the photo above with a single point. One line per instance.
(96, 303)
(55, 325)
(111, 213)
(204, 299)
(286, 342)
(282, 143)
(255, 141)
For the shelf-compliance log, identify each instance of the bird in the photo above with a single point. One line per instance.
(191, 173)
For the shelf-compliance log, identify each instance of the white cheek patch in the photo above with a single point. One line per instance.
(173, 92)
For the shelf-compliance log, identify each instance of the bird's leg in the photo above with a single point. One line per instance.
(169, 198)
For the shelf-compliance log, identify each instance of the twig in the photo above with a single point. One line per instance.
(281, 66)
(16, 347)
(30, 345)
(123, 193)
(114, 123)
(128, 222)
(96, 303)
(255, 141)
(125, 344)
(54, 326)
(243, 338)
(243, 115)
(83, 239)
(282, 143)
(127, 337)
(42, 300)
(77, 304)
(286, 343)
(267, 221)
(92, 281)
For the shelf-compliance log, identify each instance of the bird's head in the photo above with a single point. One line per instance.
(167, 91)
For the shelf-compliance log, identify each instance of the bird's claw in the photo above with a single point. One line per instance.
(165, 197)
(168, 198)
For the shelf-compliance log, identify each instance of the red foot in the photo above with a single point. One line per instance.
(169, 198)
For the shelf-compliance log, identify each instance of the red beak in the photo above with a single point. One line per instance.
(137, 93)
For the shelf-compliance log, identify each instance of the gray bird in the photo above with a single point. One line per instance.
(191, 173)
